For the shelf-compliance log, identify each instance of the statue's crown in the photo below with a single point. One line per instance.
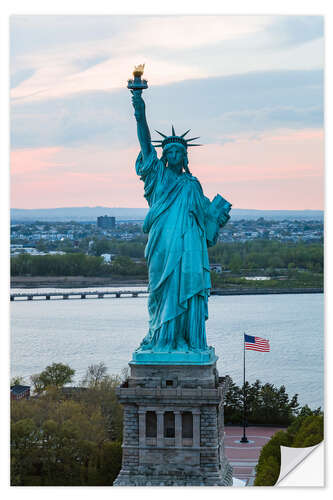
(174, 138)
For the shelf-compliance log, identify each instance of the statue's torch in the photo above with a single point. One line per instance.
(137, 83)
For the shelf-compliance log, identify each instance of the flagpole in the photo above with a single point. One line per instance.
(244, 438)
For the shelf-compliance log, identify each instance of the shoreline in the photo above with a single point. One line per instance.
(95, 282)
(72, 282)
(265, 291)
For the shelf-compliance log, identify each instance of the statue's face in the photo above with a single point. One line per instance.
(175, 157)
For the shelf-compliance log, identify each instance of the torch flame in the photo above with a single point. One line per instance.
(138, 70)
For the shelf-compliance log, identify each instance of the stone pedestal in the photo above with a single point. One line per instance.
(173, 427)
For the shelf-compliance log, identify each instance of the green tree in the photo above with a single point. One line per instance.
(268, 467)
(103, 394)
(24, 437)
(20, 265)
(310, 433)
(265, 404)
(110, 461)
(233, 404)
(57, 374)
(101, 246)
(235, 264)
(17, 380)
(38, 385)
(61, 441)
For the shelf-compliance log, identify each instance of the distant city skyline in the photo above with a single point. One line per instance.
(250, 86)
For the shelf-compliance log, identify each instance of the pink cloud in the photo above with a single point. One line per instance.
(253, 172)
(56, 177)
(280, 171)
(25, 161)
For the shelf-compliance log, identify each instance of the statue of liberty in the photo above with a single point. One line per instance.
(181, 224)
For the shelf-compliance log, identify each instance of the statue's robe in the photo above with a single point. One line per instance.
(177, 257)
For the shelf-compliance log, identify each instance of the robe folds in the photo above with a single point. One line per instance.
(177, 257)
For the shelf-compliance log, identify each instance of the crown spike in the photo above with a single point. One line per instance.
(194, 145)
(187, 131)
(192, 139)
(163, 135)
(173, 130)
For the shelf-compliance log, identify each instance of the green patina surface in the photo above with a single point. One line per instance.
(181, 224)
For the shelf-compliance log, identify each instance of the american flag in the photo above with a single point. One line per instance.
(256, 343)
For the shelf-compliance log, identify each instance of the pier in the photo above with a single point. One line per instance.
(79, 294)
(101, 294)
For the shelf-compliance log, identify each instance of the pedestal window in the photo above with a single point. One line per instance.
(187, 425)
(169, 424)
(151, 424)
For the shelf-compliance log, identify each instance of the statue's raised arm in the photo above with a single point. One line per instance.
(142, 125)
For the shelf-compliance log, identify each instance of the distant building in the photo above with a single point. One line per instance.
(28, 250)
(107, 257)
(20, 392)
(106, 222)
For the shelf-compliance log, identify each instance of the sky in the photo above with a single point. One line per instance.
(250, 86)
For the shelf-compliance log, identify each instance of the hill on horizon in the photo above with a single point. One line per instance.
(91, 213)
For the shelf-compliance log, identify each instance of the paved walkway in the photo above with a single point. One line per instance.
(244, 457)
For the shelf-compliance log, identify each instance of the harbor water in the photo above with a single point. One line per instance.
(84, 332)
